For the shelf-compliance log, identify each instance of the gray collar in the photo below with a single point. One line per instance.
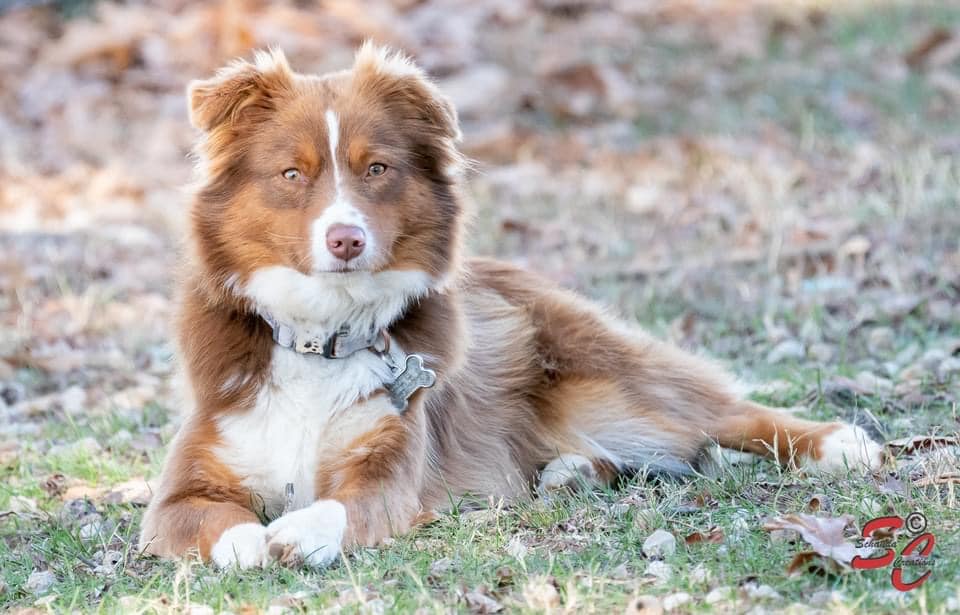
(408, 372)
(338, 346)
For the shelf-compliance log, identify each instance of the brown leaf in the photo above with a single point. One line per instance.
(824, 534)
(819, 503)
(940, 479)
(480, 602)
(922, 50)
(813, 563)
(913, 444)
(714, 535)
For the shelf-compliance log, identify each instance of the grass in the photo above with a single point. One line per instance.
(583, 552)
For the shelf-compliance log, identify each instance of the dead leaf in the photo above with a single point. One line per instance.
(480, 602)
(813, 563)
(919, 52)
(824, 534)
(714, 535)
(940, 479)
(913, 444)
(819, 503)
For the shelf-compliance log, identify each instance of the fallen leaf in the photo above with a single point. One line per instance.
(479, 602)
(913, 444)
(919, 52)
(819, 503)
(714, 536)
(813, 563)
(824, 534)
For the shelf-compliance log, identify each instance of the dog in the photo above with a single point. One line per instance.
(350, 371)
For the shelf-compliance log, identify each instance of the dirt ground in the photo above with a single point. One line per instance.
(775, 184)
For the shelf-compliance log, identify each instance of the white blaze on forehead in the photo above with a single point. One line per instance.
(340, 211)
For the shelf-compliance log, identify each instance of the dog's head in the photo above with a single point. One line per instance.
(354, 171)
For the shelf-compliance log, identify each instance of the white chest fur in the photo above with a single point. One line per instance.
(307, 405)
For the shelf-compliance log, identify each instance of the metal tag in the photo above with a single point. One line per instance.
(414, 376)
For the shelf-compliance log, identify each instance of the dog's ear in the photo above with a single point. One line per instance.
(393, 80)
(239, 87)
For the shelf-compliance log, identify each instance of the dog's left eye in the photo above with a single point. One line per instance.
(376, 169)
(292, 175)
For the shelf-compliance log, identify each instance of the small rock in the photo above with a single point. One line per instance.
(826, 597)
(541, 595)
(660, 544)
(91, 527)
(516, 548)
(40, 582)
(73, 401)
(822, 353)
(620, 573)
(760, 592)
(873, 383)
(672, 602)
(83, 447)
(931, 359)
(948, 368)
(718, 594)
(660, 571)
(77, 509)
(644, 605)
(120, 440)
(22, 505)
(787, 350)
(441, 567)
(880, 341)
(700, 574)
(941, 311)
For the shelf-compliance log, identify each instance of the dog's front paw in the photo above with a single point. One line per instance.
(846, 447)
(241, 546)
(311, 535)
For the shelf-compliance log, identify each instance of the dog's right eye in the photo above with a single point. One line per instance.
(292, 175)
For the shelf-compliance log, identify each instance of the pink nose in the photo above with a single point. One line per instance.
(345, 242)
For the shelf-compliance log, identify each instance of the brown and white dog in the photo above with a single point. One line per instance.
(327, 266)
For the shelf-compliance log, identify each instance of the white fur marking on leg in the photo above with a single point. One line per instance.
(243, 546)
(316, 531)
(846, 447)
(567, 471)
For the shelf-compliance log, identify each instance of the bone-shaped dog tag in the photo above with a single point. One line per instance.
(414, 376)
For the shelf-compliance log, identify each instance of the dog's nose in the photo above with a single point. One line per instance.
(346, 242)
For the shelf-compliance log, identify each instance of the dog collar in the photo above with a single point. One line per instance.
(338, 346)
(408, 372)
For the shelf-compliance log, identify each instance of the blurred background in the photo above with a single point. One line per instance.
(774, 182)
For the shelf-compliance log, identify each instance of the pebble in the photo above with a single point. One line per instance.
(760, 592)
(660, 544)
(661, 571)
(700, 574)
(83, 447)
(948, 368)
(880, 341)
(785, 351)
(822, 353)
(40, 582)
(874, 384)
(717, 594)
(672, 602)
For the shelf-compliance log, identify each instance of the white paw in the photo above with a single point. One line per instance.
(846, 447)
(243, 546)
(568, 471)
(313, 534)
